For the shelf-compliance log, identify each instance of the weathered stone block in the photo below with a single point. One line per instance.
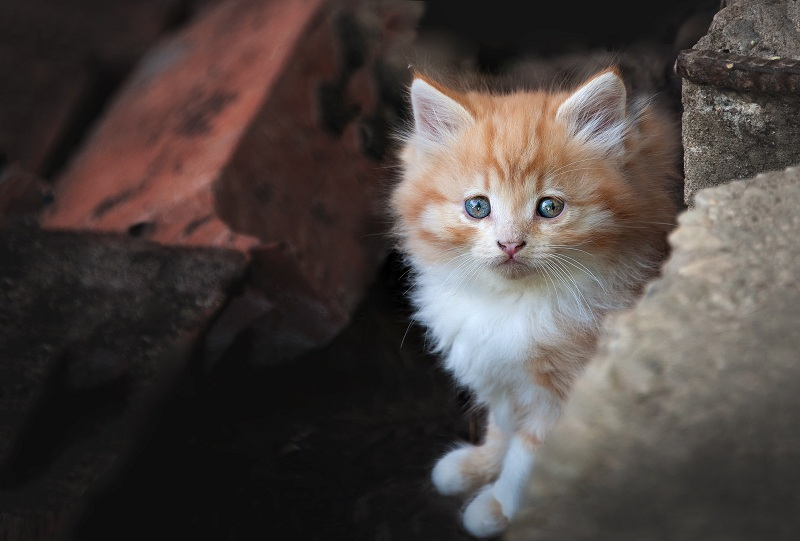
(740, 95)
(685, 425)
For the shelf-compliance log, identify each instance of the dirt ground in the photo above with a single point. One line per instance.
(335, 445)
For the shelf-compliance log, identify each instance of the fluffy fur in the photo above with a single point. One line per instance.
(514, 301)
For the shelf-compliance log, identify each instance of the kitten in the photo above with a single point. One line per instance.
(525, 218)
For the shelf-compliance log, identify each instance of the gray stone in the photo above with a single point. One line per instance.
(94, 330)
(761, 28)
(733, 135)
(685, 426)
(730, 134)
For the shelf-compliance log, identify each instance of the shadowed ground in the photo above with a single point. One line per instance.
(336, 445)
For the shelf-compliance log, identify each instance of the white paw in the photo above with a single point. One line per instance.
(484, 516)
(447, 476)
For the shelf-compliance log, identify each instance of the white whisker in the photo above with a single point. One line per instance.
(568, 171)
(570, 164)
(549, 278)
(564, 246)
(566, 285)
(577, 264)
(574, 288)
(402, 340)
(465, 263)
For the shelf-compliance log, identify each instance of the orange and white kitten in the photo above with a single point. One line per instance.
(525, 218)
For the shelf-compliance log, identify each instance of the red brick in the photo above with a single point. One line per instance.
(220, 138)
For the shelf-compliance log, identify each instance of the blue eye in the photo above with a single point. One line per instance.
(549, 207)
(478, 207)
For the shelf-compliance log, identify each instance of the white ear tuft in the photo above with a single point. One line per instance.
(595, 113)
(436, 115)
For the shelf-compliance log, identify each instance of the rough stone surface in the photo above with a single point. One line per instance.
(731, 135)
(94, 329)
(258, 128)
(734, 135)
(685, 425)
(762, 28)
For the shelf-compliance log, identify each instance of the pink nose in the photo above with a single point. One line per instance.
(511, 248)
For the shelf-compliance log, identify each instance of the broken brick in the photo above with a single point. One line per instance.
(247, 130)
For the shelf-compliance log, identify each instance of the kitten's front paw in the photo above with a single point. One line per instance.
(447, 474)
(484, 516)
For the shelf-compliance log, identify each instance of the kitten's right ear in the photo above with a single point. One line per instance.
(436, 116)
(595, 113)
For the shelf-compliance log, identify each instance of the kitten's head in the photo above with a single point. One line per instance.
(513, 185)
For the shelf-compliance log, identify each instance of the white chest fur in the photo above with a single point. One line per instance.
(488, 335)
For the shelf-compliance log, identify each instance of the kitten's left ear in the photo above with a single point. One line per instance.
(437, 116)
(595, 112)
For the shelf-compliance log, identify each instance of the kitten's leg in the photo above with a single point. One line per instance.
(468, 467)
(490, 511)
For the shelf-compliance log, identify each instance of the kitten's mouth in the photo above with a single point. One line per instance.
(514, 268)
